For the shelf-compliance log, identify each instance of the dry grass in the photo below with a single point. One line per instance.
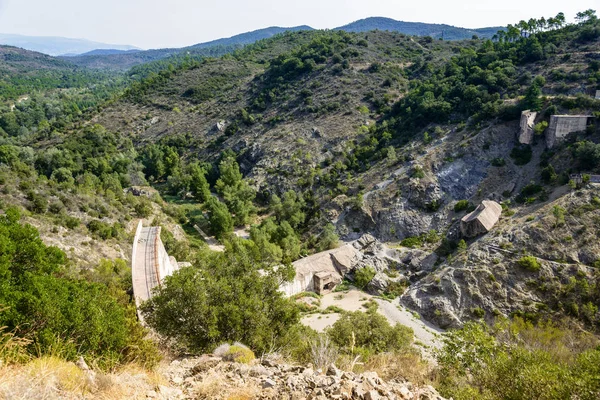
(408, 366)
(212, 387)
(51, 378)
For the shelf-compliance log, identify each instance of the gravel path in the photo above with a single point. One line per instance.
(427, 335)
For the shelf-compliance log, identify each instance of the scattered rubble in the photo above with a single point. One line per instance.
(208, 376)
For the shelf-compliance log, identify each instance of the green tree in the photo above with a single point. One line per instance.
(328, 239)
(289, 209)
(219, 217)
(369, 333)
(59, 314)
(198, 183)
(224, 297)
(236, 192)
(362, 276)
(532, 98)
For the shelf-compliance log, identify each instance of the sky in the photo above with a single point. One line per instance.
(177, 23)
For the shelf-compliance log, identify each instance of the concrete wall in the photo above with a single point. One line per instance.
(165, 266)
(527, 123)
(137, 276)
(301, 283)
(561, 125)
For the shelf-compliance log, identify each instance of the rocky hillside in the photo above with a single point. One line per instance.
(353, 119)
(378, 132)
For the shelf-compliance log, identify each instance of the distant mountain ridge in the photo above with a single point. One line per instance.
(102, 52)
(251, 37)
(56, 46)
(447, 32)
(214, 48)
(115, 57)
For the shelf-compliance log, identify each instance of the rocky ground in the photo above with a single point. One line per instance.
(210, 377)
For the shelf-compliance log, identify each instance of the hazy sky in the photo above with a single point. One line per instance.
(176, 23)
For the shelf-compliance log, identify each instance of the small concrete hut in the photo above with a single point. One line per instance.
(321, 272)
(482, 220)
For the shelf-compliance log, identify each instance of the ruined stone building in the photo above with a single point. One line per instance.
(482, 220)
(321, 272)
(527, 124)
(561, 125)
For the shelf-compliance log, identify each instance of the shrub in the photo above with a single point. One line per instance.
(240, 354)
(478, 312)
(521, 154)
(461, 205)
(233, 296)
(498, 162)
(412, 242)
(60, 315)
(549, 174)
(369, 332)
(418, 172)
(517, 360)
(530, 263)
(363, 276)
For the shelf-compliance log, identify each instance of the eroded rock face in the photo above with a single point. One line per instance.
(485, 280)
(211, 377)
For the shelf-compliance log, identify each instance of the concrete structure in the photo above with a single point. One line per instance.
(322, 272)
(527, 124)
(145, 191)
(597, 95)
(578, 178)
(561, 125)
(482, 220)
(150, 263)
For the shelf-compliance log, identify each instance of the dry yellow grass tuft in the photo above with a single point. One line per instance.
(409, 366)
(52, 378)
(211, 387)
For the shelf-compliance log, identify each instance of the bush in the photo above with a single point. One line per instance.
(363, 276)
(233, 296)
(520, 361)
(549, 175)
(530, 263)
(498, 162)
(521, 154)
(412, 242)
(239, 354)
(59, 315)
(369, 333)
(461, 205)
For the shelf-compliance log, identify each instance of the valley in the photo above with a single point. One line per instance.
(354, 198)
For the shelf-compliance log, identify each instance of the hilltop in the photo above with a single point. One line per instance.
(437, 31)
(219, 47)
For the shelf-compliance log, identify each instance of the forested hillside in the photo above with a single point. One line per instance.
(291, 145)
(436, 31)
